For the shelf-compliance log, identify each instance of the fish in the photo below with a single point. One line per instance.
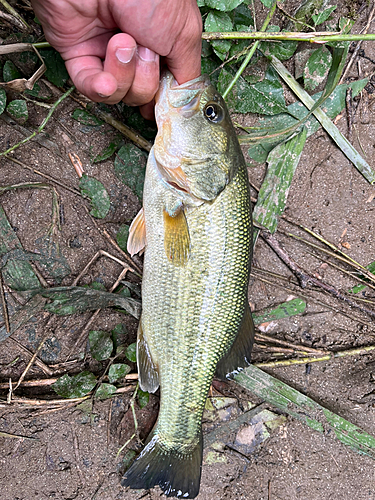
(195, 229)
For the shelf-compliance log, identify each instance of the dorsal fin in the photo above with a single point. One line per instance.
(239, 354)
(137, 234)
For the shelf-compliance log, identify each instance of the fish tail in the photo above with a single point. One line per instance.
(178, 474)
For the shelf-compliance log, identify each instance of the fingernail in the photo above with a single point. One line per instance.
(146, 54)
(125, 55)
(102, 95)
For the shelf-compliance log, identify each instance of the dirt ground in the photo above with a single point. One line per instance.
(74, 452)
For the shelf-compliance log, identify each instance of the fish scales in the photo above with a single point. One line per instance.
(191, 311)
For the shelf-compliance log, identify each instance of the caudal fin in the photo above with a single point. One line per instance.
(177, 474)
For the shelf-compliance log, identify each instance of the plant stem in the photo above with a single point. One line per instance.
(251, 52)
(44, 123)
(326, 357)
(41, 45)
(287, 36)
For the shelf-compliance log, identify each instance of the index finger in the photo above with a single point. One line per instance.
(184, 60)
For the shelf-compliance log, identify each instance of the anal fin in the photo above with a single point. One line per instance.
(176, 237)
(137, 234)
(147, 370)
(239, 354)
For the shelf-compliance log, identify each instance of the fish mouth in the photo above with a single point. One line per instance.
(171, 94)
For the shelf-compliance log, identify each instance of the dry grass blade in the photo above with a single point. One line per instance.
(16, 436)
(21, 84)
(304, 295)
(338, 254)
(305, 278)
(266, 338)
(15, 14)
(327, 357)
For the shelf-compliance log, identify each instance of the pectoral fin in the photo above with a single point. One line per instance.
(176, 237)
(137, 234)
(147, 370)
(239, 354)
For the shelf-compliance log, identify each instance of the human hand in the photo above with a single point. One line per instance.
(108, 66)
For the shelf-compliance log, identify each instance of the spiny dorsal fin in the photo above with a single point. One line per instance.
(176, 237)
(137, 234)
(147, 370)
(239, 354)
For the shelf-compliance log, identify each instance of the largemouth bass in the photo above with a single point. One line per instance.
(196, 230)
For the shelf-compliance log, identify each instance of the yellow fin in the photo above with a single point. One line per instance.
(137, 234)
(148, 374)
(176, 237)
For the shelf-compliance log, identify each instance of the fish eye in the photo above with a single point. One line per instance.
(213, 112)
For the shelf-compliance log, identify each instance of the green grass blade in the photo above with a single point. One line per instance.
(282, 163)
(284, 310)
(362, 166)
(305, 409)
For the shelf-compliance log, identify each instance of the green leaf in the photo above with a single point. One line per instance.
(39, 92)
(18, 274)
(272, 198)
(131, 352)
(18, 110)
(86, 118)
(98, 195)
(108, 151)
(223, 5)
(10, 72)
(284, 310)
(219, 21)
(117, 371)
(208, 67)
(332, 107)
(317, 68)
(105, 391)
(119, 332)
(359, 288)
(130, 165)
(323, 16)
(75, 299)
(76, 386)
(56, 71)
(265, 97)
(143, 398)
(283, 50)
(268, 3)
(3, 101)
(243, 16)
(96, 285)
(101, 345)
(134, 119)
(122, 236)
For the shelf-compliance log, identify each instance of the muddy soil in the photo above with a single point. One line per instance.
(73, 450)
